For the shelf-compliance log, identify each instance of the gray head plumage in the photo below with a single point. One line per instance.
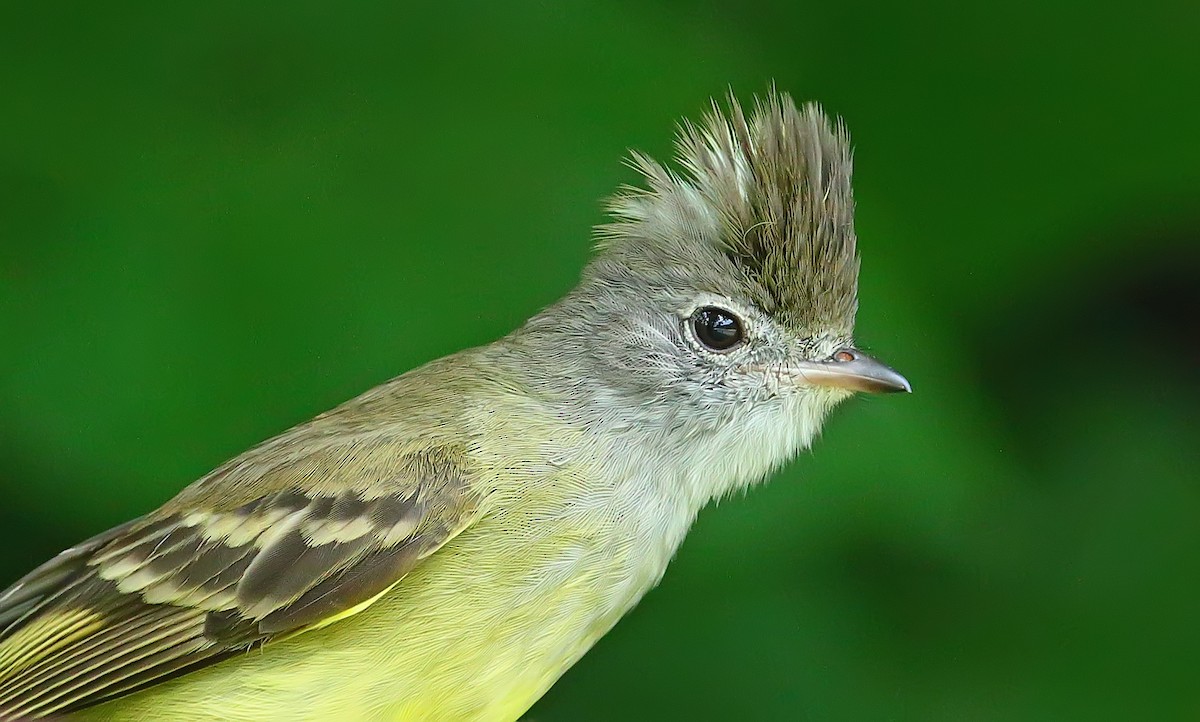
(771, 193)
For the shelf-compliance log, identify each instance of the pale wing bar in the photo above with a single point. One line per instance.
(170, 593)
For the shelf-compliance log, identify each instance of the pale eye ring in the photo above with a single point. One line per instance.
(717, 328)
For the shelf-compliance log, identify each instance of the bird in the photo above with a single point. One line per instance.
(447, 544)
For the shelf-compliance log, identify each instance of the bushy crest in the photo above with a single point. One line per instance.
(772, 192)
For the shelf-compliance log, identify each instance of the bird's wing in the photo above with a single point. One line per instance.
(225, 567)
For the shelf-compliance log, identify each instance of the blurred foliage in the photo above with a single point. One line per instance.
(217, 219)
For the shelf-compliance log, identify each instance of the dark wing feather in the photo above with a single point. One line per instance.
(43, 581)
(214, 573)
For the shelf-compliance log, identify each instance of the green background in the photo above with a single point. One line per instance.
(217, 219)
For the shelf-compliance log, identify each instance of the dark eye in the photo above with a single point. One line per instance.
(717, 328)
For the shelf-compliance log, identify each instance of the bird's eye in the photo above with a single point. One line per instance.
(716, 328)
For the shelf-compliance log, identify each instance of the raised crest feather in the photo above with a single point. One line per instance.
(772, 192)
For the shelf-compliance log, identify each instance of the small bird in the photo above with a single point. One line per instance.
(446, 545)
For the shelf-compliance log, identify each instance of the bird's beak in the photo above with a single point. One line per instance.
(850, 369)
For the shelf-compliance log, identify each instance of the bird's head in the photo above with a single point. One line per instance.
(723, 294)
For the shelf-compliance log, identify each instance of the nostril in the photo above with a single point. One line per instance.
(843, 356)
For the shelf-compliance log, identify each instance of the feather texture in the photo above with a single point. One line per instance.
(197, 581)
(772, 193)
